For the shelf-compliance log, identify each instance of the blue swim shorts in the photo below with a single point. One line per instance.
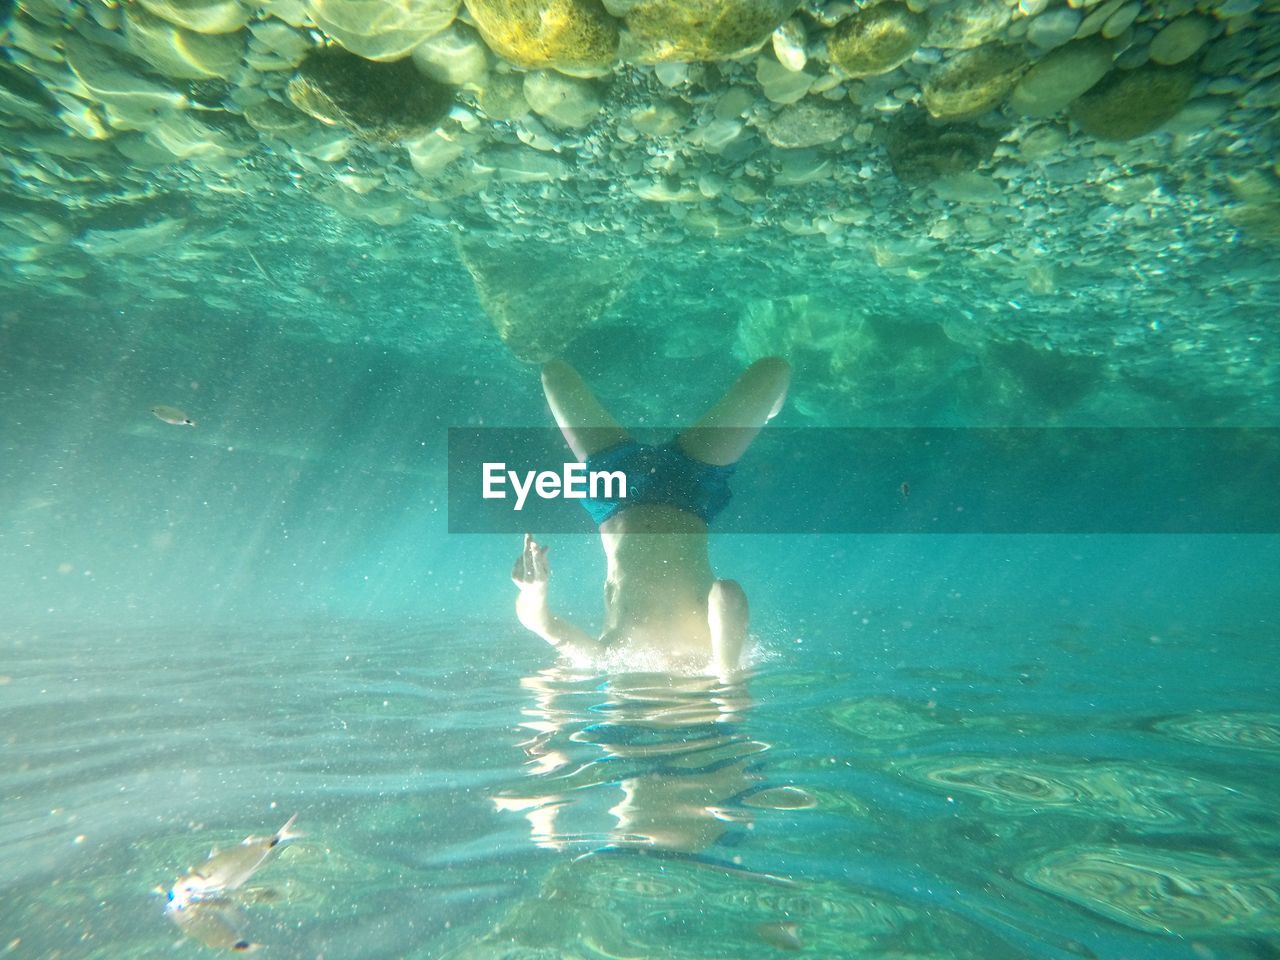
(660, 475)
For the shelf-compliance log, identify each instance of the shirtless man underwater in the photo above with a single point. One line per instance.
(662, 602)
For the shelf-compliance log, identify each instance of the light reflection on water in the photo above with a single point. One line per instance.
(457, 804)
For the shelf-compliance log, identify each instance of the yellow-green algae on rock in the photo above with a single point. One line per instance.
(973, 82)
(382, 29)
(689, 30)
(1131, 103)
(876, 40)
(573, 36)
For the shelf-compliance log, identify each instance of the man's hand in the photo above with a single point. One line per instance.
(531, 568)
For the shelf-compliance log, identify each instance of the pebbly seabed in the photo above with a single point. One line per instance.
(1030, 194)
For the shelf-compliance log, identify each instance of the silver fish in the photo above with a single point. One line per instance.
(227, 870)
(173, 415)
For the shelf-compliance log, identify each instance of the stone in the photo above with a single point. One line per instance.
(1181, 40)
(1129, 104)
(1053, 82)
(378, 30)
(660, 119)
(1054, 27)
(502, 97)
(694, 30)
(809, 123)
(921, 151)
(566, 102)
(876, 40)
(789, 44)
(1121, 20)
(181, 53)
(781, 85)
(540, 296)
(109, 81)
(519, 164)
(455, 56)
(432, 153)
(973, 82)
(969, 24)
(276, 119)
(276, 46)
(968, 187)
(573, 36)
(381, 102)
(201, 16)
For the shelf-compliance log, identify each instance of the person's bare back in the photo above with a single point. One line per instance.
(663, 603)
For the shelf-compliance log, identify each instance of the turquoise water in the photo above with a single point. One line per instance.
(931, 782)
(990, 744)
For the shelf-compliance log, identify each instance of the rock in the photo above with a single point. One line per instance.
(973, 82)
(178, 52)
(573, 36)
(809, 123)
(781, 85)
(1041, 143)
(276, 119)
(967, 187)
(201, 16)
(660, 119)
(377, 30)
(432, 153)
(789, 44)
(968, 24)
(518, 164)
(1129, 104)
(876, 40)
(920, 150)
(456, 56)
(540, 296)
(564, 101)
(502, 97)
(1121, 20)
(1181, 40)
(384, 102)
(110, 82)
(276, 46)
(691, 30)
(1054, 27)
(1052, 83)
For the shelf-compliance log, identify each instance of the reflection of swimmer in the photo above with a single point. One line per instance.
(661, 596)
(651, 761)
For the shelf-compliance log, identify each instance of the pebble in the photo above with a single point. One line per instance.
(781, 85)
(1121, 20)
(1054, 28)
(1180, 40)
(788, 44)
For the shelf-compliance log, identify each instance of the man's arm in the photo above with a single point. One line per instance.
(531, 574)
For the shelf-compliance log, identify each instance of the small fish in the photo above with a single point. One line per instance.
(905, 490)
(198, 903)
(173, 415)
(230, 869)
